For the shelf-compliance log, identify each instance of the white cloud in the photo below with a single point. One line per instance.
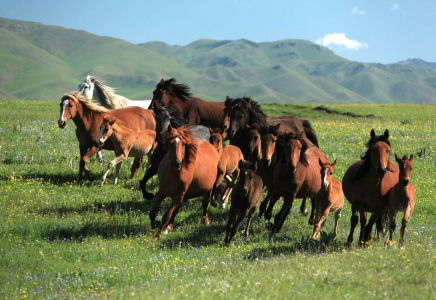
(334, 40)
(357, 11)
(395, 7)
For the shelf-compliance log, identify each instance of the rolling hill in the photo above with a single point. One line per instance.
(43, 62)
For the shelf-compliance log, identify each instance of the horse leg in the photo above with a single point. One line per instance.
(135, 166)
(156, 205)
(279, 219)
(100, 157)
(116, 162)
(249, 215)
(312, 211)
(168, 215)
(83, 150)
(319, 218)
(354, 220)
(268, 213)
(392, 225)
(154, 162)
(230, 232)
(337, 217)
(117, 171)
(170, 225)
(303, 208)
(229, 188)
(264, 203)
(368, 227)
(219, 178)
(206, 199)
(363, 217)
(91, 152)
(404, 224)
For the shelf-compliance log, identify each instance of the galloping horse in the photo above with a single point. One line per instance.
(188, 170)
(195, 110)
(93, 87)
(366, 184)
(402, 197)
(88, 117)
(297, 177)
(165, 116)
(127, 143)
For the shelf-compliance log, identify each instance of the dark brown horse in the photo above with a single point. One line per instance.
(245, 200)
(195, 110)
(367, 183)
(297, 177)
(402, 197)
(188, 170)
(88, 117)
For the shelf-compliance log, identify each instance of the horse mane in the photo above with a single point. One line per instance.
(268, 130)
(305, 146)
(106, 95)
(180, 91)
(185, 135)
(366, 157)
(87, 101)
(176, 119)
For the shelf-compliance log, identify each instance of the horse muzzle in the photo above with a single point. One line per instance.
(292, 169)
(406, 181)
(177, 165)
(381, 172)
(324, 186)
(62, 124)
(266, 161)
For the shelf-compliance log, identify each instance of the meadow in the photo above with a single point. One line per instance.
(62, 241)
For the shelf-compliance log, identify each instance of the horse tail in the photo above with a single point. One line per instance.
(310, 132)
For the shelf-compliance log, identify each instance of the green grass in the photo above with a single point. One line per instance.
(61, 241)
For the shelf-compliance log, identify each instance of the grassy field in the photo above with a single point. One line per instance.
(61, 241)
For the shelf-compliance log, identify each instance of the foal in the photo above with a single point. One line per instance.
(328, 199)
(127, 143)
(228, 164)
(245, 200)
(401, 198)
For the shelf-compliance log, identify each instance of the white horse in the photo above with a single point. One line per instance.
(93, 87)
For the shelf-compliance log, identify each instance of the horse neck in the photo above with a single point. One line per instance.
(84, 117)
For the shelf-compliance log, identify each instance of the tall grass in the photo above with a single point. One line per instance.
(61, 241)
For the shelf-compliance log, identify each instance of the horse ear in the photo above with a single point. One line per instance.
(397, 159)
(170, 127)
(162, 81)
(320, 161)
(373, 135)
(277, 126)
(210, 130)
(303, 134)
(386, 134)
(249, 101)
(334, 163)
(411, 158)
(227, 97)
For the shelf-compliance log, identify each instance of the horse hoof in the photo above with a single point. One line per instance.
(304, 213)
(156, 238)
(269, 226)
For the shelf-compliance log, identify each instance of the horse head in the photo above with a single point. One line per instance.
(268, 138)
(238, 119)
(247, 172)
(326, 173)
(166, 115)
(295, 150)
(167, 91)
(106, 129)
(405, 166)
(379, 148)
(254, 143)
(86, 87)
(179, 145)
(68, 110)
(216, 138)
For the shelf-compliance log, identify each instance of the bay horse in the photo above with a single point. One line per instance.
(127, 142)
(329, 198)
(245, 200)
(188, 170)
(88, 117)
(272, 147)
(197, 111)
(366, 185)
(228, 163)
(402, 197)
(297, 176)
(95, 88)
(165, 116)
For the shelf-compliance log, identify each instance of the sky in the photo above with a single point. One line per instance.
(374, 31)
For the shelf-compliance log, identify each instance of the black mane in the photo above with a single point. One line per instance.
(181, 91)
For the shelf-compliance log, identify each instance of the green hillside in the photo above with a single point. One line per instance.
(43, 62)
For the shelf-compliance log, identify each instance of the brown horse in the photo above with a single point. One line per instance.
(402, 197)
(127, 143)
(297, 177)
(88, 117)
(228, 164)
(187, 171)
(195, 110)
(329, 198)
(366, 184)
(245, 200)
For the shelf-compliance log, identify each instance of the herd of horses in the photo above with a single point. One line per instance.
(184, 138)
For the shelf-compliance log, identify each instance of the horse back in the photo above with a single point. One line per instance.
(201, 112)
(231, 156)
(135, 117)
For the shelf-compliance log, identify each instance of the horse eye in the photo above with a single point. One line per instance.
(70, 105)
(388, 151)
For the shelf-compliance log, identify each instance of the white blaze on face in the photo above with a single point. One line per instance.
(64, 104)
(177, 140)
(324, 178)
(100, 137)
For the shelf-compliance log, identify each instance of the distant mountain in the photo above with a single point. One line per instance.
(43, 62)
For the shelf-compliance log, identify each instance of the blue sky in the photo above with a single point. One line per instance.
(384, 31)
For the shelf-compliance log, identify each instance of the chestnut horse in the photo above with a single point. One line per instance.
(297, 177)
(127, 143)
(88, 117)
(245, 200)
(366, 185)
(228, 164)
(195, 110)
(187, 171)
(329, 198)
(402, 197)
